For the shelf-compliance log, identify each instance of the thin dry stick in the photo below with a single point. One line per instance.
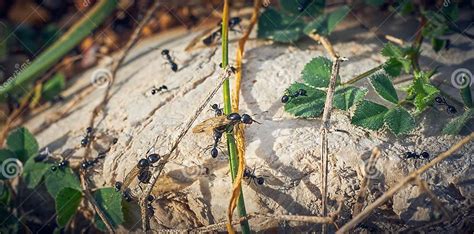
(424, 187)
(158, 169)
(90, 198)
(387, 195)
(395, 40)
(362, 194)
(132, 41)
(324, 130)
(326, 44)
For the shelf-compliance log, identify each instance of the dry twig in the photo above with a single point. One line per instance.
(324, 131)
(412, 176)
(361, 195)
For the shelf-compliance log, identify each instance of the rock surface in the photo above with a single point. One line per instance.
(196, 188)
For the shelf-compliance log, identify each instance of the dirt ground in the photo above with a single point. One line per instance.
(285, 150)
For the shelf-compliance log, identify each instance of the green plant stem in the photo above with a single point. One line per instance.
(56, 51)
(363, 75)
(233, 160)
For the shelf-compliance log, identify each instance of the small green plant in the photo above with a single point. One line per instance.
(63, 185)
(289, 25)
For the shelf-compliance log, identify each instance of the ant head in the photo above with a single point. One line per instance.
(150, 198)
(143, 163)
(118, 186)
(153, 158)
(89, 130)
(215, 106)
(235, 20)
(246, 119)
(425, 155)
(451, 110)
(165, 52)
(234, 117)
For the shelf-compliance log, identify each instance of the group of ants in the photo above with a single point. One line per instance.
(226, 124)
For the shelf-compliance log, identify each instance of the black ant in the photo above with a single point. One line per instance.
(449, 108)
(250, 176)
(144, 174)
(303, 5)
(149, 207)
(232, 68)
(159, 89)
(424, 155)
(90, 163)
(298, 93)
(217, 138)
(167, 56)
(217, 110)
(118, 186)
(85, 141)
(61, 165)
(127, 195)
(233, 22)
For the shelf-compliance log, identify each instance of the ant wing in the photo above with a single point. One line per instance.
(130, 176)
(209, 125)
(270, 179)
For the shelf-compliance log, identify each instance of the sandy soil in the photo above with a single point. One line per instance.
(284, 149)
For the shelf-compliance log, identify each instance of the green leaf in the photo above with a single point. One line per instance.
(279, 27)
(346, 97)
(369, 115)
(110, 202)
(12, 167)
(5, 195)
(314, 8)
(375, 3)
(399, 121)
(67, 201)
(54, 86)
(23, 143)
(306, 106)
(9, 223)
(393, 67)
(456, 125)
(325, 24)
(437, 44)
(399, 54)
(423, 93)
(317, 72)
(384, 87)
(33, 172)
(61, 178)
(466, 95)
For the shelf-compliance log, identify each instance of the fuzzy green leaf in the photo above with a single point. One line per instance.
(423, 93)
(279, 27)
(393, 67)
(325, 24)
(317, 72)
(346, 97)
(399, 121)
(61, 178)
(384, 87)
(369, 115)
(22, 143)
(466, 95)
(110, 202)
(455, 126)
(67, 201)
(54, 86)
(314, 7)
(308, 106)
(33, 172)
(399, 54)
